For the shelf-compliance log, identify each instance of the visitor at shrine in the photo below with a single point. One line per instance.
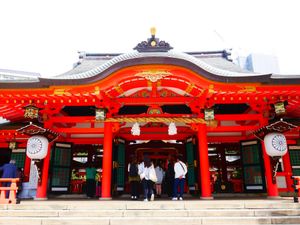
(20, 175)
(90, 181)
(133, 178)
(147, 174)
(180, 172)
(160, 175)
(169, 176)
(9, 170)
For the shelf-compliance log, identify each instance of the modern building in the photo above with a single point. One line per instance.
(158, 102)
(259, 63)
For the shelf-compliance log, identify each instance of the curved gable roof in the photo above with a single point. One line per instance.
(218, 69)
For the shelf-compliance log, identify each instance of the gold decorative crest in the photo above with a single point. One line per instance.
(153, 75)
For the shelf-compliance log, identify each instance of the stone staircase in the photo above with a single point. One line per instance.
(86, 212)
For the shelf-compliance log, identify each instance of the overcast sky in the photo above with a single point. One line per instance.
(45, 36)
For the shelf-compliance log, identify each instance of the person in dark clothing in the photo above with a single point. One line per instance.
(133, 178)
(170, 176)
(9, 170)
(90, 181)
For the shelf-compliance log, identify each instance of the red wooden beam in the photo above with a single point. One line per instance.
(158, 100)
(20, 145)
(232, 128)
(79, 130)
(237, 117)
(72, 119)
(154, 137)
(158, 130)
(225, 139)
(85, 141)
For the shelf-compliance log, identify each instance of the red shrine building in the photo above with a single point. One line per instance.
(158, 102)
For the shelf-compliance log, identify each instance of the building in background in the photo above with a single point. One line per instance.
(259, 63)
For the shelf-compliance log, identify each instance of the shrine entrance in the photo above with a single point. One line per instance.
(158, 102)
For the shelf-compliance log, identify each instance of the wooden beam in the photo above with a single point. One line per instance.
(157, 100)
(232, 128)
(225, 139)
(72, 119)
(79, 130)
(238, 117)
(85, 141)
(154, 137)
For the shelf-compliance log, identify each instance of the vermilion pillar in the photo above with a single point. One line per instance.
(204, 162)
(27, 169)
(107, 162)
(288, 169)
(41, 192)
(272, 189)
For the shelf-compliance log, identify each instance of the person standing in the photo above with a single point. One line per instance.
(146, 171)
(180, 172)
(133, 178)
(160, 175)
(9, 170)
(169, 176)
(90, 181)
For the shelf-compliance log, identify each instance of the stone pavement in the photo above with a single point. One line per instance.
(187, 212)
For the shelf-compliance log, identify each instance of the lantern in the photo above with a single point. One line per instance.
(209, 114)
(275, 144)
(135, 130)
(172, 129)
(100, 114)
(12, 145)
(279, 108)
(31, 112)
(37, 147)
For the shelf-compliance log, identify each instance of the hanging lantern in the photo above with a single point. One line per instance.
(100, 114)
(135, 130)
(209, 114)
(31, 112)
(172, 129)
(279, 108)
(37, 147)
(275, 144)
(12, 145)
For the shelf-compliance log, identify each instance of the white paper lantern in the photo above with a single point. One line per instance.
(275, 144)
(172, 130)
(37, 147)
(135, 130)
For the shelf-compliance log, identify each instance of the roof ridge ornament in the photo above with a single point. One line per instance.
(153, 44)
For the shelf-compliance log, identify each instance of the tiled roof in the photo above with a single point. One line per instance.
(213, 63)
(14, 75)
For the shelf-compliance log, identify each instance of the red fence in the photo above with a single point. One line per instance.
(12, 199)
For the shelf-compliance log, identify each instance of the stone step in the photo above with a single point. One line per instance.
(149, 220)
(138, 205)
(151, 213)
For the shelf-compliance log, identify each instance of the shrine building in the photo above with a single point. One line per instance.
(157, 102)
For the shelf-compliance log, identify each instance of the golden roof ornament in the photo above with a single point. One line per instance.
(153, 44)
(153, 31)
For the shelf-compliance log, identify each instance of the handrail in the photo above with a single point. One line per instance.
(12, 199)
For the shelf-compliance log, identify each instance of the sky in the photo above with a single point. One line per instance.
(45, 36)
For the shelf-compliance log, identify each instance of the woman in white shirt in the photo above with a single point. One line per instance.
(180, 172)
(160, 175)
(146, 170)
